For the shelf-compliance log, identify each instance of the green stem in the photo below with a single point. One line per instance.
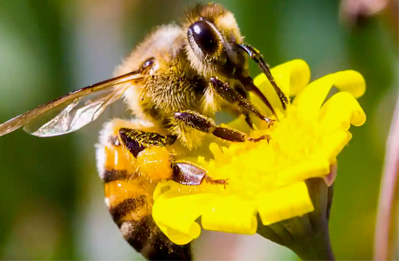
(314, 248)
(308, 236)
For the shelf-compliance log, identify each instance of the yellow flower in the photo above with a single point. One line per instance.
(268, 178)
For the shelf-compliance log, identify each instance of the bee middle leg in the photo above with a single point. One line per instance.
(207, 125)
(239, 111)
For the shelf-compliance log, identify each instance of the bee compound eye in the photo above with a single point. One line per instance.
(204, 37)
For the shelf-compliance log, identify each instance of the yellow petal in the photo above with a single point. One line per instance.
(309, 101)
(284, 203)
(300, 75)
(334, 144)
(231, 214)
(179, 222)
(350, 81)
(314, 166)
(341, 110)
(311, 98)
(176, 236)
(291, 77)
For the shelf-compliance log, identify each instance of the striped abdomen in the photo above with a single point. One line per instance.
(129, 184)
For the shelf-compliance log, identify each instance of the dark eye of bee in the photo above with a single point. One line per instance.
(204, 37)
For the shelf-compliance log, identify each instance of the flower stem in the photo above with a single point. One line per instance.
(314, 248)
(308, 236)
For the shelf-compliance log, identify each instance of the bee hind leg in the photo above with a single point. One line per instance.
(137, 140)
(186, 173)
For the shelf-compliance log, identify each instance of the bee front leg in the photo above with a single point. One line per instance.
(232, 96)
(207, 125)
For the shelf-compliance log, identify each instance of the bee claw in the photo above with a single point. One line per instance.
(267, 137)
(222, 181)
(225, 182)
(270, 122)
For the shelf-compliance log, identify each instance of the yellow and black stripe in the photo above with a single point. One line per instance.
(129, 183)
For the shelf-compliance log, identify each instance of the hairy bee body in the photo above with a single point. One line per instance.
(170, 85)
(175, 79)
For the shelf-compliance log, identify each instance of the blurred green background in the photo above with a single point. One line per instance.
(51, 202)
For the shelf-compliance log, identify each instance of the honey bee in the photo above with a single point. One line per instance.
(173, 82)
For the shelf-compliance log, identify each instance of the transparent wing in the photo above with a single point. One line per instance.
(73, 110)
(73, 115)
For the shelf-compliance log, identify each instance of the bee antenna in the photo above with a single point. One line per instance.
(255, 55)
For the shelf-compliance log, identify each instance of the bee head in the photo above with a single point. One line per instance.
(213, 39)
(215, 47)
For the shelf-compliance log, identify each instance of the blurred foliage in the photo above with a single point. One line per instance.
(52, 200)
